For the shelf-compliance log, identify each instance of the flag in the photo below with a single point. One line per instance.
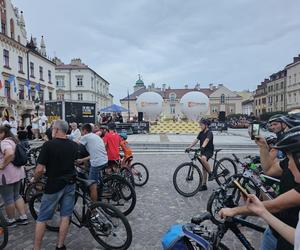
(27, 84)
(11, 79)
(15, 87)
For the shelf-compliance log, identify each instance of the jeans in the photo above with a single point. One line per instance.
(10, 192)
(269, 241)
(95, 173)
(65, 198)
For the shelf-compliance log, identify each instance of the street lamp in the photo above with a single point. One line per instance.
(37, 105)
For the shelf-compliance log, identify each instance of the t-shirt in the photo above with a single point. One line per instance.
(96, 148)
(58, 155)
(112, 141)
(290, 215)
(209, 135)
(75, 135)
(126, 149)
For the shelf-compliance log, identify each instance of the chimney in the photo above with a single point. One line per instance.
(164, 87)
(211, 86)
(76, 61)
(57, 61)
(152, 85)
(220, 85)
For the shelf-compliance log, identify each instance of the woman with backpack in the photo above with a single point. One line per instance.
(10, 178)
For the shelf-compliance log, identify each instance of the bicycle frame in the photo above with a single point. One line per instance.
(80, 218)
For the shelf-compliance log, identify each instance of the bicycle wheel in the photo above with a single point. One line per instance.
(187, 179)
(32, 189)
(34, 208)
(118, 192)
(224, 168)
(140, 174)
(127, 174)
(109, 227)
(3, 232)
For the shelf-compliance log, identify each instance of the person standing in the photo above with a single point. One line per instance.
(10, 178)
(57, 158)
(14, 125)
(75, 134)
(35, 126)
(206, 139)
(112, 142)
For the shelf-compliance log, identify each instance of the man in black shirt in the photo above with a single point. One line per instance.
(206, 139)
(57, 158)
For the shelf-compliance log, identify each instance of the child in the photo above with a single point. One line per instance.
(127, 159)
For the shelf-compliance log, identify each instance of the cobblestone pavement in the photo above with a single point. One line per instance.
(158, 207)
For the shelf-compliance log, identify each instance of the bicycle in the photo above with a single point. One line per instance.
(192, 175)
(32, 155)
(195, 235)
(104, 221)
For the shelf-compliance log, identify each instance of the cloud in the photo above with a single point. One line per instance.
(238, 42)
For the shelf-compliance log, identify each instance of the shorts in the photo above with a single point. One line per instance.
(95, 173)
(65, 198)
(10, 192)
(208, 154)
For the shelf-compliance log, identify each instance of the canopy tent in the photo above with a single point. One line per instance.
(113, 108)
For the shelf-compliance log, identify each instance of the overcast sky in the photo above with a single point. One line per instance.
(176, 42)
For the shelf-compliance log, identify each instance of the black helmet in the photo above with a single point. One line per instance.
(277, 118)
(205, 121)
(290, 141)
(271, 139)
(293, 120)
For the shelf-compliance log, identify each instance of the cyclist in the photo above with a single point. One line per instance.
(287, 205)
(112, 143)
(206, 139)
(127, 159)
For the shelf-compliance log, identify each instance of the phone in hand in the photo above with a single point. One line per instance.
(243, 190)
(254, 130)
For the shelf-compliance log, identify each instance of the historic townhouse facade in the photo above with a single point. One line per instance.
(293, 84)
(260, 99)
(77, 82)
(26, 73)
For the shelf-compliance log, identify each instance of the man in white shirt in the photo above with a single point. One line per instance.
(14, 125)
(75, 133)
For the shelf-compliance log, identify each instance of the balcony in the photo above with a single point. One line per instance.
(26, 104)
(3, 101)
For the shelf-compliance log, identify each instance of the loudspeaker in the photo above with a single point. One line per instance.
(222, 116)
(140, 116)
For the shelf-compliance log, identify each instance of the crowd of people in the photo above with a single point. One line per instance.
(94, 147)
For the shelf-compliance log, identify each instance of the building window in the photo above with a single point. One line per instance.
(92, 82)
(60, 81)
(172, 109)
(222, 99)
(32, 94)
(3, 27)
(6, 58)
(277, 86)
(41, 73)
(259, 102)
(49, 76)
(295, 97)
(214, 109)
(12, 29)
(290, 80)
(50, 96)
(276, 98)
(7, 90)
(19, 39)
(80, 97)
(20, 62)
(263, 101)
(31, 69)
(295, 77)
(21, 92)
(281, 85)
(61, 97)
(281, 98)
(172, 97)
(79, 81)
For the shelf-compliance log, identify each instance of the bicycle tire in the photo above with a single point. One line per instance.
(3, 231)
(33, 210)
(114, 187)
(127, 174)
(230, 166)
(107, 210)
(198, 185)
(137, 180)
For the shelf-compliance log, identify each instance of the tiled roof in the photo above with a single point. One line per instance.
(165, 94)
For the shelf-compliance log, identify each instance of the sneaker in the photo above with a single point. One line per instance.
(211, 177)
(11, 222)
(61, 248)
(203, 188)
(22, 221)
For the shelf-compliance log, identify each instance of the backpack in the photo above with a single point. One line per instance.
(21, 157)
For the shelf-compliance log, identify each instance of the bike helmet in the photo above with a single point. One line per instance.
(123, 136)
(205, 121)
(290, 141)
(271, 139)
(293, 120)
